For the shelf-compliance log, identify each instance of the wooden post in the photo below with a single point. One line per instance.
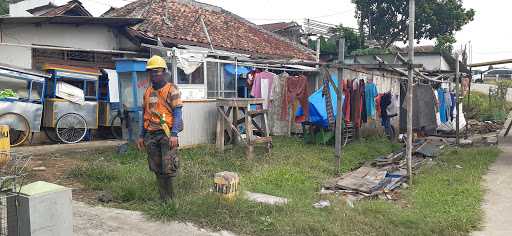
(174, 67)
(235, 119)
(267, 131)
(290, 118)
(457, 99)
(318, 41)
(220, 130)
(339, 140)
(410, 89)
(248, 133)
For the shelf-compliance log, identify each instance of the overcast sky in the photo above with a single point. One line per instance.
(488, 33)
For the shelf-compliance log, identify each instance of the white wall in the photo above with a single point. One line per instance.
(17, 56)
(432, 62)
(95, 37)
(84, 36)
(20, 8)
(199, 120)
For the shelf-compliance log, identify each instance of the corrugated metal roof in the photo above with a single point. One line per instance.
(64, 9)
(272, 27)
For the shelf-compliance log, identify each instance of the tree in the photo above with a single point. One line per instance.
(445, 43)
(4, 7)
(353, 41)
(386, 21)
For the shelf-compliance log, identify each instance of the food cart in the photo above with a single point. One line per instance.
(71, 103)
(109, 110)
(21, 102)
(133, 81)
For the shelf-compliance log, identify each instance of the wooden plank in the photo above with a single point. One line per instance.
(230, 124)
(235, 119)
(267, 128)
(364, 179)
(220, 129)
(230, 131)
(240, 102)
(256, 125)
(248, 128)
(262, 140)
(258, 112)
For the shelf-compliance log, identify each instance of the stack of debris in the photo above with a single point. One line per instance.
(383, 176)
(485, 127)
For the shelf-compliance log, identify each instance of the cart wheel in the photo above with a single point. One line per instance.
(18, 135)
(116, 127)
(71, 128)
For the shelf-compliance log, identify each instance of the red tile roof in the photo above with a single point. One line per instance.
(72, 5)
(176, 22)
(273, 27)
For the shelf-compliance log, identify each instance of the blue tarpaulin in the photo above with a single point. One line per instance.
(230, 68)
(317, 109)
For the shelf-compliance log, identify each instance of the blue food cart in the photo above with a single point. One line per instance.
(71, 102)
(21, 102)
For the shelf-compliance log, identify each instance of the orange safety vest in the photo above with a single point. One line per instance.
(157, 100)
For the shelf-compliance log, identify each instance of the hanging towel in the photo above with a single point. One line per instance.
(443, 115)
(262, 87)
(370, 93)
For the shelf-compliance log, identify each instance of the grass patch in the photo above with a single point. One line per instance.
(481, 107)
(445, 200)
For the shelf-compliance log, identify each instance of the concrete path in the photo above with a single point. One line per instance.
(100, 221)
(498, 199)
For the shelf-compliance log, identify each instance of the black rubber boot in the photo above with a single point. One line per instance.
(166, 188)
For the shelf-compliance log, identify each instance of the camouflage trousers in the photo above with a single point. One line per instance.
(162, 159)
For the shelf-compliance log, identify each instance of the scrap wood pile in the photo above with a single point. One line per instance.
(384, 176)
(485, 127)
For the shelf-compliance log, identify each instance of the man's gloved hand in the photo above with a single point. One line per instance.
(140, 144)
(173, 142)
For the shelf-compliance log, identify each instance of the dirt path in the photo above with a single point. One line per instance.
(498, 199)
(69, 149)
(96, 221)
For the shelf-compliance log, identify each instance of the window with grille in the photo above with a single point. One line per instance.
(73, 58)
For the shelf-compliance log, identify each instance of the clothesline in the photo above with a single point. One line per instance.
(375, 74)
(260, 66)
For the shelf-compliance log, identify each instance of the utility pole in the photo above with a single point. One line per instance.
(318, 43)
(339, 139)
(410, 89)
(457, 98)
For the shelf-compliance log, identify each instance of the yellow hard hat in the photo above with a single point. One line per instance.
(156, 62)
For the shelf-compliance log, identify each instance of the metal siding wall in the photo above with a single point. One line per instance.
(18, 56)
(212, 75)
(199, 123)
(83, 36)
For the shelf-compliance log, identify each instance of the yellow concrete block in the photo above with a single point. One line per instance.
(5, 145)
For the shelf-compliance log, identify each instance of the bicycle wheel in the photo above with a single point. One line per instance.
(71, 128)
(116, 127)
(19, 128)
